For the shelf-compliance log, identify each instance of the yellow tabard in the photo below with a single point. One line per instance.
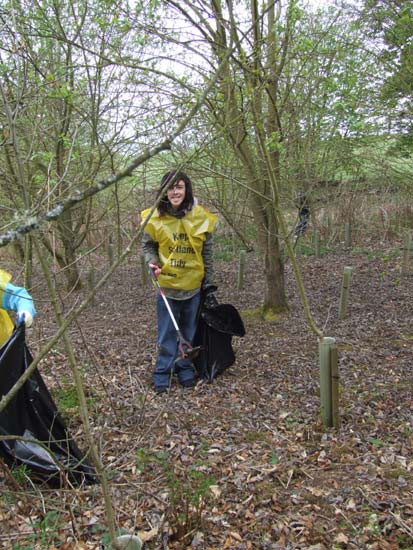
(6, 325)
(180, 245)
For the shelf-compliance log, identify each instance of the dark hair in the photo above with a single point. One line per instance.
(175, 176)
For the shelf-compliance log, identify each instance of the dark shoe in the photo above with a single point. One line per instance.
(188, 383)
(160, 390)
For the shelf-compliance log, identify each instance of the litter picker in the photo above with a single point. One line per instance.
(186, 350)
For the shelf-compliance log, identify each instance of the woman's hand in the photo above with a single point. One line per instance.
(156, 268)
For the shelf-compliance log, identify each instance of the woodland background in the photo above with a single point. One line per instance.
(258, 103)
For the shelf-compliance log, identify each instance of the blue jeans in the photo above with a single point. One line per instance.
(185, 313)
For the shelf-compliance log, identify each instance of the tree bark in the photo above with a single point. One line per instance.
(233, 120)
(68, 238)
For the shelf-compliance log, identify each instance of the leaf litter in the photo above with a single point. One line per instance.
(244, 462)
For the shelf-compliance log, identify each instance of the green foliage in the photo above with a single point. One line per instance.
(274, 142)
(274, 458)
(187, 498)
(48, 528)
(252, 313)
(385, 256)
(393, 21)
(304, 248)
(223, 255)
(376, 442)
(380, 161)
(188, 490)
(270, 314)
(373, 527)
(147, 461)
(20, 473)
(224, 247)
(143, 459)
(46, 532)
(67, 399)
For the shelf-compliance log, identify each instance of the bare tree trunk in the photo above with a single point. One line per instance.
(232, 118)
(68, 238)
(275, 300)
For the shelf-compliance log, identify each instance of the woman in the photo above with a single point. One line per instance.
(17, 299)
(177, 244)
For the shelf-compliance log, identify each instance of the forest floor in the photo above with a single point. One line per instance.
(242, 463)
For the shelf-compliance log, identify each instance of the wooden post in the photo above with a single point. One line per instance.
(335, 413)
(324, 350)
(345, 292)
(407, 253)
(347, 235)
(241, 270)
(317, 243)
(144, 271)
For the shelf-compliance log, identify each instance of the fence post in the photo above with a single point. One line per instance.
(326, 409)
(345, 292)
(335, 413)
(241, 270)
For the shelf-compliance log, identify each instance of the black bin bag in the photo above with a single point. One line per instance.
(32, 414)
(216, 327)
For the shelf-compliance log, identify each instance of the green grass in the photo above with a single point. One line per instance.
(308, 249)
(386, 256)
(67, 400)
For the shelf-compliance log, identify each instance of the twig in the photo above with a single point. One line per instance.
(9, 475)
(401, 523)
(16, 535)
(339, 511)
(290, 476)
(327, 317)
(275, 432)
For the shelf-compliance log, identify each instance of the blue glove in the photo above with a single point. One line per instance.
(16, 298)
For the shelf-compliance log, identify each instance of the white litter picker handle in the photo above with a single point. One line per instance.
(168, 307)
(165, 299)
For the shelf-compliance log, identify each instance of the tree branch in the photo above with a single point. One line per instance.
(35, 222)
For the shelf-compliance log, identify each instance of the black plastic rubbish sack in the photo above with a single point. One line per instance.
(50, 454)
(216, 327)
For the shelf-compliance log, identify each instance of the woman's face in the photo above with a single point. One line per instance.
(176, 194)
